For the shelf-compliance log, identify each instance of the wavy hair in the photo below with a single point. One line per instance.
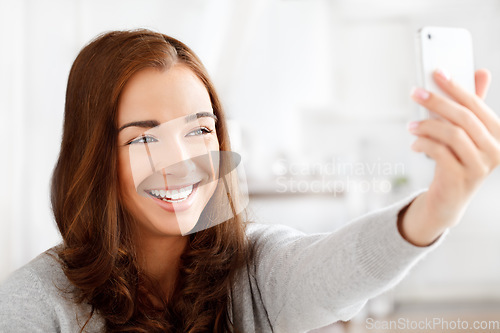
(98, 255)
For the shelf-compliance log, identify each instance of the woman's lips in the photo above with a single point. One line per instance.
(176, 201)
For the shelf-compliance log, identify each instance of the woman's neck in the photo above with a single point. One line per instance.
(159, 258)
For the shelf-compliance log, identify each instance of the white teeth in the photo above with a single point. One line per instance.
(178, 195)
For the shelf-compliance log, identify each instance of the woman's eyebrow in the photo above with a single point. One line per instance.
(142, 123)
(197, 115)
(154, 123)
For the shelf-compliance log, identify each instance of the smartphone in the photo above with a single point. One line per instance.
(445, 48)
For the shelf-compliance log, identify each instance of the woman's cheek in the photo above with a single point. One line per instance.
(125, 176)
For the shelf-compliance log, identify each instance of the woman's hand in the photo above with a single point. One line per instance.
(466, 149)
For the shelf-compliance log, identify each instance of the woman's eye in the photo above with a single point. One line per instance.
(200, 131)
(143, 139)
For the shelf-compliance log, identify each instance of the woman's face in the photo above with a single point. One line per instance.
(163, 181)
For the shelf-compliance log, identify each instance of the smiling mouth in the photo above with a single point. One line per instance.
(174, 195)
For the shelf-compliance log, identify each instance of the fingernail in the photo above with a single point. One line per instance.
(443, 74)
(420, 93)
(412, 126)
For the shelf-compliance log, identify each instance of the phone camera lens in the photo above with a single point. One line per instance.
(429, 36)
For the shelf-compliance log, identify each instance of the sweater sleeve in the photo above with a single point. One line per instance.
(24, 307)
(309, 281)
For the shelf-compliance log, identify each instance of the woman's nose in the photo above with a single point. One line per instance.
(181, 169)
(176, 160)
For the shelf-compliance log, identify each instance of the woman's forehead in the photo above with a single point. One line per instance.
(162, 95)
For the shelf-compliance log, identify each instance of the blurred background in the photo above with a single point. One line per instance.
(317, 93)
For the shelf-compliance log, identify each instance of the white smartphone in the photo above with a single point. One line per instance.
(445, 48)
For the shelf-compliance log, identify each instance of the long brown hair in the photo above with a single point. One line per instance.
(98, 255)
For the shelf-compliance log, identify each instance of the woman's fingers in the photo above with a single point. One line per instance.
(457, 141)
(483, 79)
(437, 151)
(462, 117)
(471, 101)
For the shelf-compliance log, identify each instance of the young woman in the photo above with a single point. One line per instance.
(128, 262)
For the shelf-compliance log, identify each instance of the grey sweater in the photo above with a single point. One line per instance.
(296, 282)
